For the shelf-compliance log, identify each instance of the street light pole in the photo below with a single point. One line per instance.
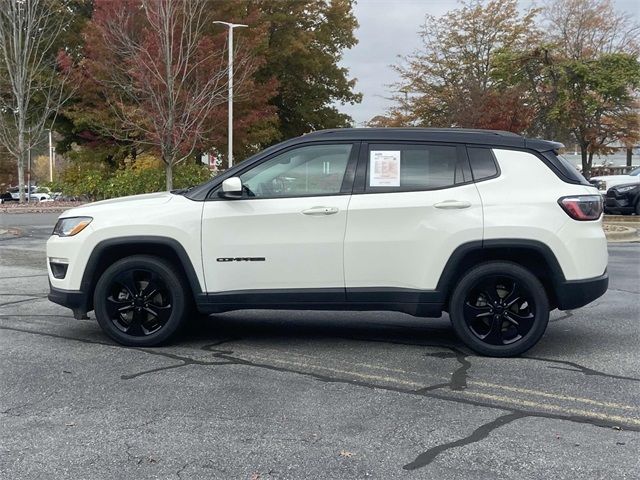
(231, 26)
(50, 158)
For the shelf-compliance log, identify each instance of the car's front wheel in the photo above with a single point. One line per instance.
(499, 309)
(141, 301)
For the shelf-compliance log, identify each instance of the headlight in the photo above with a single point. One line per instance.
(68, 227)
(626, 189)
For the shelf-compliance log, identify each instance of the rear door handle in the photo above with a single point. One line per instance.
(453, 204)
(320, 211)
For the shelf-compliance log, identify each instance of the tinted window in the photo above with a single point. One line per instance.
(412, 167)
(309, 170)
(568, 169)
(482, 162)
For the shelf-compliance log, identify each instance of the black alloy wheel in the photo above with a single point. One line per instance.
(141, 301)
(138, 302)
(499, 309)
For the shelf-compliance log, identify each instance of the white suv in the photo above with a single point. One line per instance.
(492, 228)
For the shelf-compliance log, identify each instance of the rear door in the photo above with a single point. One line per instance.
(413, 205)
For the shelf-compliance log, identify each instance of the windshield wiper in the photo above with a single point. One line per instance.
(181, 191)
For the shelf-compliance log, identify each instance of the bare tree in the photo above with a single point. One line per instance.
(32, 88)
(585, 29)
(161, 73)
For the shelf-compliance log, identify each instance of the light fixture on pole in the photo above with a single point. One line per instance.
(231, 26)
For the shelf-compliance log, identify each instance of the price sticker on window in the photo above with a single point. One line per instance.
(384, 168)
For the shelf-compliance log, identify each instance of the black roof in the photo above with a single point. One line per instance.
(446, 135)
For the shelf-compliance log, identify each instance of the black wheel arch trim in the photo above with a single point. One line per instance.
(89, 280)
(569, 294)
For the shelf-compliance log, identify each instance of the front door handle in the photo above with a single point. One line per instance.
(453, 204)
(320, 211)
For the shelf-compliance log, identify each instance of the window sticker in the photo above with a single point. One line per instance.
(384, 168)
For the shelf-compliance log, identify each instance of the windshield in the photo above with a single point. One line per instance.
(636, 172)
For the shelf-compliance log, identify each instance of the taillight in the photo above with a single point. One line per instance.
(582, 207)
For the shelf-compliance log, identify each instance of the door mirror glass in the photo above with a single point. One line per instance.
(231, 188)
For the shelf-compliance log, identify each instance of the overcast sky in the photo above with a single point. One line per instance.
(389, 28)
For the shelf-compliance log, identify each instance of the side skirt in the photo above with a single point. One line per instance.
(424, 304)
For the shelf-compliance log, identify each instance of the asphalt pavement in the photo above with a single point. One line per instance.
(321, 395)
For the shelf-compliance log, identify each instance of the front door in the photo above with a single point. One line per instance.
(287, 231)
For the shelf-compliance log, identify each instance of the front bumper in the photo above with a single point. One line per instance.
(77, 301)
(618, 203)
(578, 293)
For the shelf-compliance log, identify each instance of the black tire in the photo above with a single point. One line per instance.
(638, 207)
(499, 309)
(141, 301)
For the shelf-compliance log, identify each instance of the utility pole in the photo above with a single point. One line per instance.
(231, 26)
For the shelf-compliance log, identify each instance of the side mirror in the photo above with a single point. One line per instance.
(231, 188)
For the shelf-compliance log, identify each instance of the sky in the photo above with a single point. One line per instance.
(389, 28)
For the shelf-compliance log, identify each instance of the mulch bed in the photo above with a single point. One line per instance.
(38, 207)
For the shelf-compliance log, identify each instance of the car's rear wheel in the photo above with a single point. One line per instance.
(141, 301)
(499, 309)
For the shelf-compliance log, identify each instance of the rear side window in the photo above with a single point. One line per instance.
(483, 164)
(567, 169)
(406, 167)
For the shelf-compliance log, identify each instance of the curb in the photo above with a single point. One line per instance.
(10, 232)
(628, 234)
(622, 219)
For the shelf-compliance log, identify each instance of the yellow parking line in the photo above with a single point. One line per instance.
(554, 408)
(553, 395)
(488, 396)
(337, 370)
(479, 383)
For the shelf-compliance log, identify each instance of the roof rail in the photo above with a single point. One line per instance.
(482, 131)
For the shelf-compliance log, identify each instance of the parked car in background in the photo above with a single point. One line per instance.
(36, 194)
(605, 182)
(623, 199)
(6, 197)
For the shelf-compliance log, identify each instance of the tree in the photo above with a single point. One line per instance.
(161, 72)
(596, 102)
(88, 121)
(582, 79)
(585, 29)
(305, 41)
(450, 78)
(32, 84)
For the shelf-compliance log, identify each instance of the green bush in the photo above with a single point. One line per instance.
(97, 183)
(189, 174)
(129, 181)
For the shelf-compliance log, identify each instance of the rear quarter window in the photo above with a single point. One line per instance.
(483, 163)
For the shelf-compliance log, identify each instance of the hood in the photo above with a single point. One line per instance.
(608, 178)
(132, 201)
(623, 185)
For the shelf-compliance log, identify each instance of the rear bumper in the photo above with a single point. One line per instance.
(75, 300)
(578, 293)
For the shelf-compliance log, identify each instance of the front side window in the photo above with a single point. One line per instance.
(304, 171)
(412, 167)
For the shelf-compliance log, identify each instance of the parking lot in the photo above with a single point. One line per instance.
(322, 395)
